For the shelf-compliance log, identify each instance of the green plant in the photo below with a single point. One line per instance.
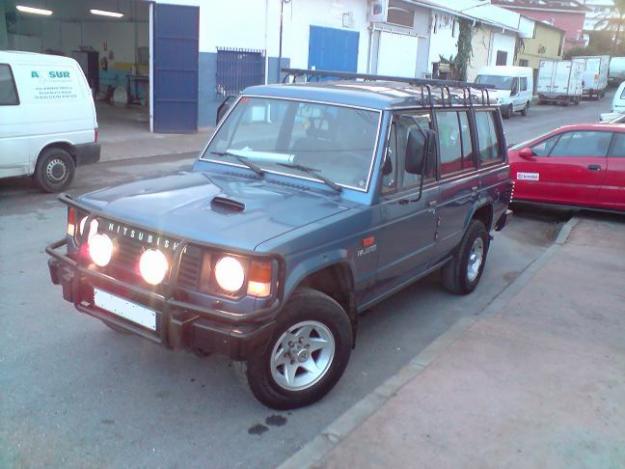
(465, 49)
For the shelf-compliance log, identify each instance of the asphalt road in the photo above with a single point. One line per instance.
(74, 393)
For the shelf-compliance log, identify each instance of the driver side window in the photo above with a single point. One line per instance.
(395, 177)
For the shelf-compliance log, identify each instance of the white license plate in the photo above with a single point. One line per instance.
(124, 308)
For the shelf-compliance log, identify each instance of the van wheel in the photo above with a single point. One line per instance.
(307, 354)
(55, 170)
(525, 109)
(507, 112)
(462, 274)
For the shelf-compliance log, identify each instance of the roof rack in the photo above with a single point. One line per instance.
(426, 85)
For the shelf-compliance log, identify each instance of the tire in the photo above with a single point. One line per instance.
(456, 276)
(55, 169)
(525, 109)
(307, 310)
(507, 112)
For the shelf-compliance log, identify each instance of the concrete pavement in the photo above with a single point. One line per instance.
(537, 380)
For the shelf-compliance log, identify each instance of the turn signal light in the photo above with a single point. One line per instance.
(71, 221)
(259, 279)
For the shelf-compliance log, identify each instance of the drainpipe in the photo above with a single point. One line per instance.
(266, 42)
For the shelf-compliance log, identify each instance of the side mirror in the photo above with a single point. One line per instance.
(224, 107)
(526, 153)
(419, 146)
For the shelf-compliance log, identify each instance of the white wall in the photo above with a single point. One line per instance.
(443, 38)
(503, 42)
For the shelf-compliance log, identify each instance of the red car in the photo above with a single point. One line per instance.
(576, 165)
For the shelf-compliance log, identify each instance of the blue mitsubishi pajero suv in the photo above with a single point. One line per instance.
(312, 202)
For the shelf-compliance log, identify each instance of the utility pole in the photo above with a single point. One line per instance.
(282, 2)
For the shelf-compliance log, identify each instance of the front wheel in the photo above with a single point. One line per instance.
(525, 109)
(507, 112)
(462, 274)
(307, 354)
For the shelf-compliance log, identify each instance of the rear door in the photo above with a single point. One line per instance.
(612, 194)
(176, 32)
(567, 168)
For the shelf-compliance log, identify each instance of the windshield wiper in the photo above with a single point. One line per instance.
(243, 160)
(314, 172)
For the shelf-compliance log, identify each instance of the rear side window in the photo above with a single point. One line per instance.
(8, 92)
(618, 146)
(449, 141)
(582, 143)
(488, 149)
(456, 148)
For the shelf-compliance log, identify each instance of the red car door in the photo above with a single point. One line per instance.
(568, 168)
(612, 194)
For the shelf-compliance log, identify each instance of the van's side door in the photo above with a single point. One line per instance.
(14, 151)
(459, 183)
(405, 238)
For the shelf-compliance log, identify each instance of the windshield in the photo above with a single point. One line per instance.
(277, 135)
(499, 82)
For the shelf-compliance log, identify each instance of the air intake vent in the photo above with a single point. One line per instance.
(226, 204)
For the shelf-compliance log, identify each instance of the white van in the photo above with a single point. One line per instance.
(618, 102)
(514, 87)
(48, 122)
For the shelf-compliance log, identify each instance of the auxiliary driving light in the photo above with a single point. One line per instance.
(100, 249)
(229, 274)
(153, 266)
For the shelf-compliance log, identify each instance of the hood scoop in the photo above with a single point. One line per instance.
(224, 204)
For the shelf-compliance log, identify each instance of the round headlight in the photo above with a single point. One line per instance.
(153, 266)
(229, 274)
(100, 249)
(93, 226)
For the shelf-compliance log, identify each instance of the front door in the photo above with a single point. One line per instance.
(14, 144)
(612, 193)
(406, 238)
(568, 168)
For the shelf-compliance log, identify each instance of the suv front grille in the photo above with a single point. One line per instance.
(131, 242)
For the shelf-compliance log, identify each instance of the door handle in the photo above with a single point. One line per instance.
(432, 203)
(404, 201)
(475, 188)
(594, 167)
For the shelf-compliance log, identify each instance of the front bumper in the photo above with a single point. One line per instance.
(178, 324)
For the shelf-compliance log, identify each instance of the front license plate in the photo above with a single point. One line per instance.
(124, 308)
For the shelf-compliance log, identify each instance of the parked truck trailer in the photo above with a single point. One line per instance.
(560, 81)
(595, 75)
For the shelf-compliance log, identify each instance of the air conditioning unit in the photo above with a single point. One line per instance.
(378, 11)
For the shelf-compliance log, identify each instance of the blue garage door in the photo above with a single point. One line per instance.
(333, 49)
(176, 31)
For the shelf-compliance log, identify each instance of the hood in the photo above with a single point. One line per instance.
(226, 210)
(499, 94)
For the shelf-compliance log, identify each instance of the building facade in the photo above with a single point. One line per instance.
(568, 15)
(547, 43)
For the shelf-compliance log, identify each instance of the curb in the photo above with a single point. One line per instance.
(313, 453)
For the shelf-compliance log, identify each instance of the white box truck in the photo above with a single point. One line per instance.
(560, 81)
(617, 70)
(595, 75)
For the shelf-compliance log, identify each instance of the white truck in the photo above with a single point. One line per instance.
(595, 75)
(617, 70)
(560, 81)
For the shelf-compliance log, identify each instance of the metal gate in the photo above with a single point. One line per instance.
(176, 51)
(333, 49)
(237, 69)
